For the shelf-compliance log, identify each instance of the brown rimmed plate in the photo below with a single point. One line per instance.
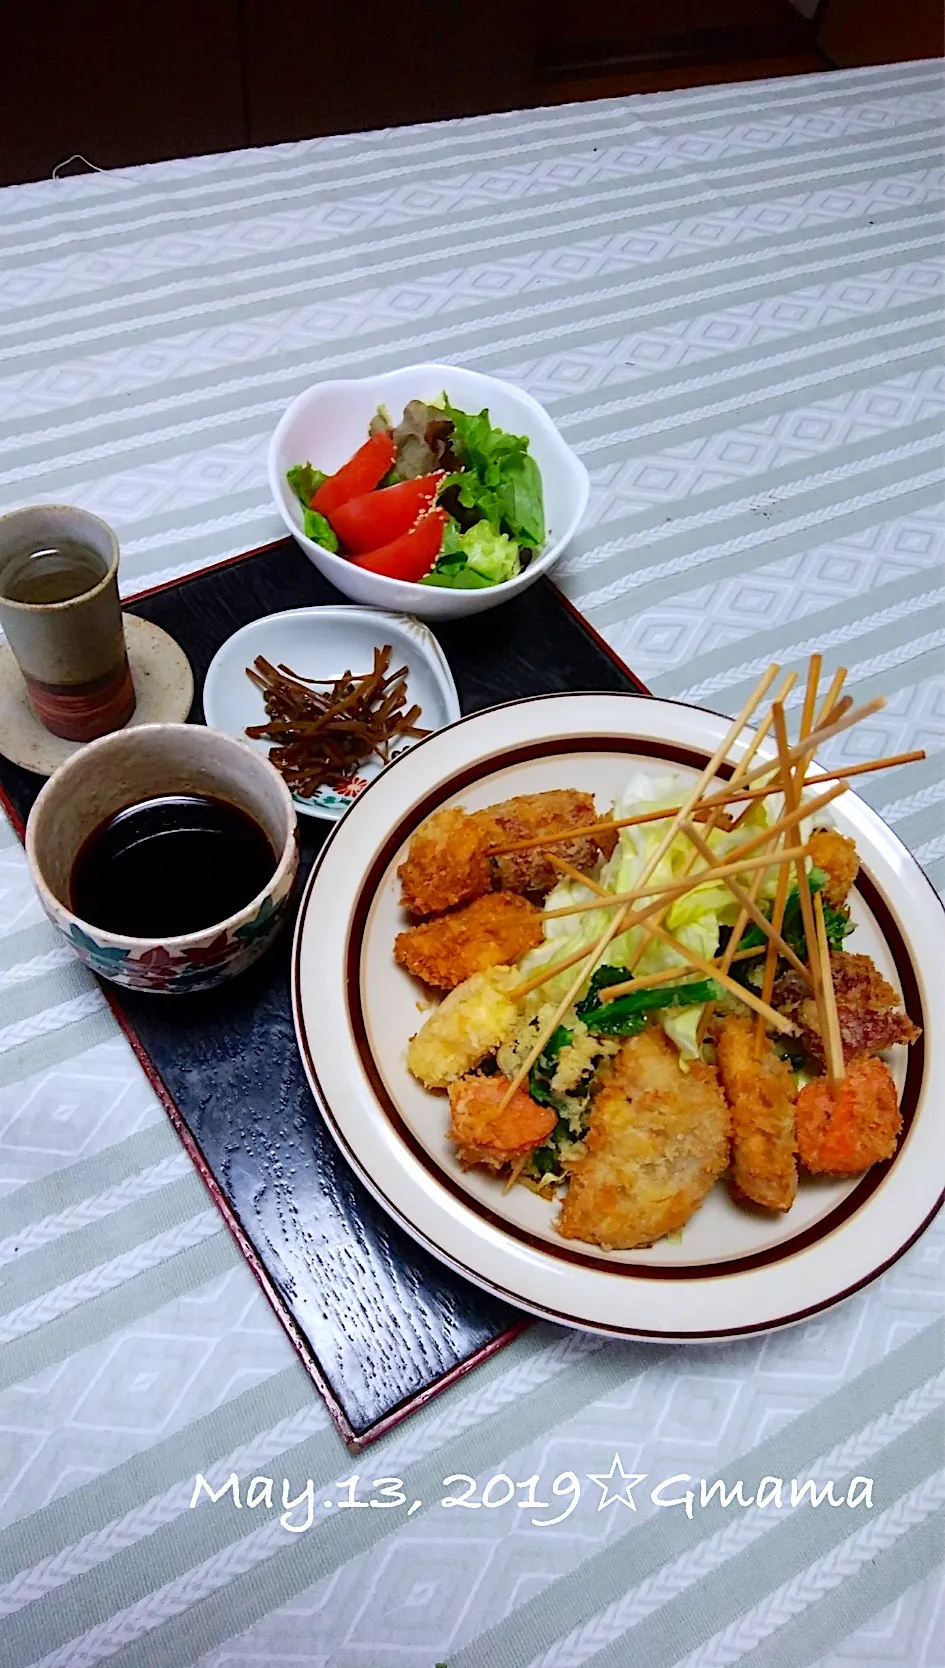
(732, 1271)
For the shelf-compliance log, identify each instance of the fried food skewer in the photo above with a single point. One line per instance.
(617, 924)
(759, 1087)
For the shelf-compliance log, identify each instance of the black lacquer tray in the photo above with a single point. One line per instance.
(379, 1324)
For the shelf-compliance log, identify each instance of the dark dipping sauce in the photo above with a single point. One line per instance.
(168, 866)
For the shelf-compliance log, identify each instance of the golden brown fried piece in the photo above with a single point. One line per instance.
(658, 1139)
(869, 1011)
(471, 1022)
(760, 1090)
(495, 929)
(837, 856)
(843, 1129)
(531, 814)
(484, 1135)
(445, 864)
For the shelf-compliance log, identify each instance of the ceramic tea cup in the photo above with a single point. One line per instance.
(141, 764)
(60, 612)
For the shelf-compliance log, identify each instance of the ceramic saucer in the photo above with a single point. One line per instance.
(160, 672)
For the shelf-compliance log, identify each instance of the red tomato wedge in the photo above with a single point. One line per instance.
(413, 554)
(375, 518)
(362, 472)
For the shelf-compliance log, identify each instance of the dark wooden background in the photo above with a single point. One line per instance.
(126, 81)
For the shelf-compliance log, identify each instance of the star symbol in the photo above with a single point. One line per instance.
(625, 1494)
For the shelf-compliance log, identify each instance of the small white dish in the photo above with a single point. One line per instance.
(323, 643)
(325, 425)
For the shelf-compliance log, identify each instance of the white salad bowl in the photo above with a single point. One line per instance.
(328, 422)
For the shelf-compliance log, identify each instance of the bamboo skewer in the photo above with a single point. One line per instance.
(615, 926)
(662, 890)
(745, 796)
(575, 874)
(833, 1040)
(650, 980)
(832, 708)
(832, 702)
(747, 902)
(667, 974)
(803, 889)
(654, 906)
(810, 695)
(781, 891)
(711, 971)
(738, 776)
(817, 737)
(738, 858)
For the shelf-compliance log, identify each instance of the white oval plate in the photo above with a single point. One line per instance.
(323, 643)
(732, 1272)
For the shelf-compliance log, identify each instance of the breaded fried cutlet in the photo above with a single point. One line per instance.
(494, 929)
(658, 1140)
(446, 863)
(484, 1135)
(471, 1022)
(759, 1087)
(845, 1127)
(531, 814)
(837, 856)
(868, 1009)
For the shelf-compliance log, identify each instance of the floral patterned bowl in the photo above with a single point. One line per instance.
(131, 765)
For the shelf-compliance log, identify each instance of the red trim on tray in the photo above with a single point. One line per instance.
(16, 821)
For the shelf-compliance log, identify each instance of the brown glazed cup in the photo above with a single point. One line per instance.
(72, 654)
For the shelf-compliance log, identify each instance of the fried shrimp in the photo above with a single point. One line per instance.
(471, 1022)
(494, 929)
(483, 1134)
(837, 856)
(868, 1009)
(844, 1128)
(760, 1090)
(530, 815)
(658, 1140)
(446, 863)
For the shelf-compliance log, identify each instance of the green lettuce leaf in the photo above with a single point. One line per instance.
(500, 479)
(472, 560)
(305, 480)
(317, 528)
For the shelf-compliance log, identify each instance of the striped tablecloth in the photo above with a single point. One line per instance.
(729, 298)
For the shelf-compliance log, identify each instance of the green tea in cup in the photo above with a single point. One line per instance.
(53, 573)
(61, 615)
